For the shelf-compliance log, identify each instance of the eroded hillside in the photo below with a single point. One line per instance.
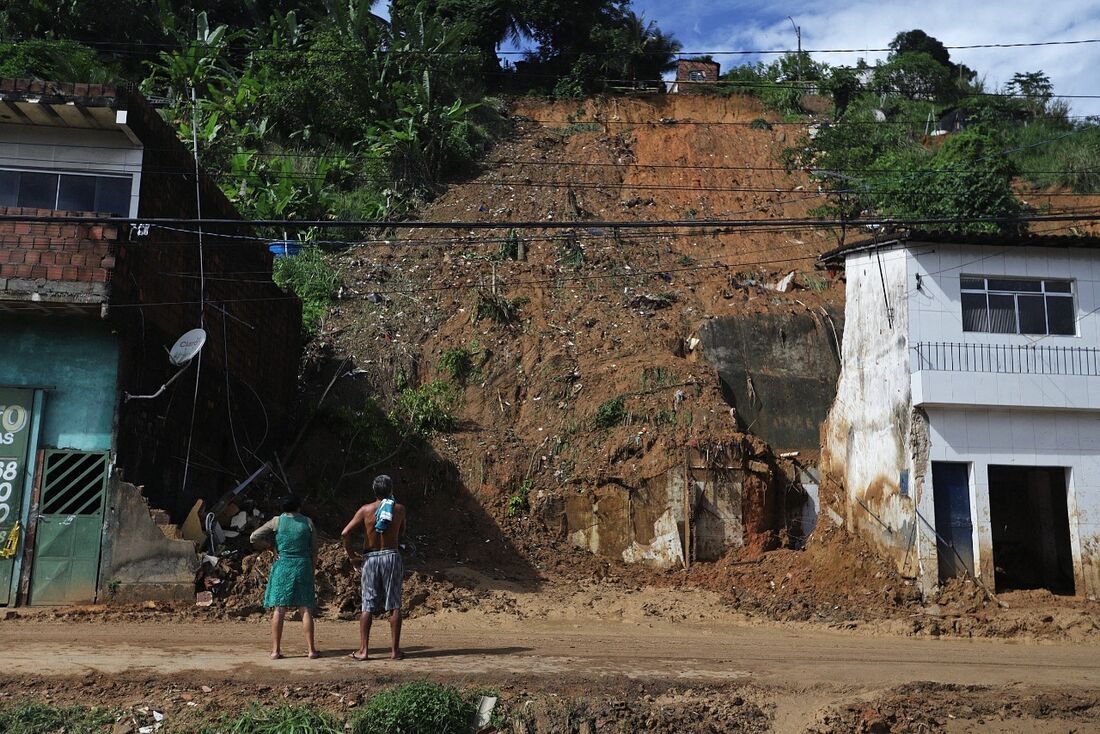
(586, 373)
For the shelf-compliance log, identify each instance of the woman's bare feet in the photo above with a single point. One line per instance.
(397, 655)
(313, 655)
(360, 656)
(276, 655)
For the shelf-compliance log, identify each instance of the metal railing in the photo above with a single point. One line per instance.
(1014, 359)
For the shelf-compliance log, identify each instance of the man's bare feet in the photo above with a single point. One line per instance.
(276, 655)
(358, 656)
(398, 655)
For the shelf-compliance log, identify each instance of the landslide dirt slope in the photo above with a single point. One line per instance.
(600, 313)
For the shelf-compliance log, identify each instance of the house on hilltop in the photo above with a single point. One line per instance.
(87, 311)
(967, 417)
(692, 72)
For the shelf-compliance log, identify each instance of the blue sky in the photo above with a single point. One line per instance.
(729, 25)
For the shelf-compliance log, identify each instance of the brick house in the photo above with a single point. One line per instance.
(87, 312)
(692, 72)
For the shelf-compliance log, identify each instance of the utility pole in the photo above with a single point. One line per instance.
(798, 35)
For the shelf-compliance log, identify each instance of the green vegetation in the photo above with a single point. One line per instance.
(498, 308)
(54, 61)
(458, 364)
(611, 413)
(280, 720)
(520, 501)
(37, 718)
(414, 708)
(427, 409)
(313, 280)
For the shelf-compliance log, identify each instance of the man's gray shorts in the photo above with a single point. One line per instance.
(383, 573)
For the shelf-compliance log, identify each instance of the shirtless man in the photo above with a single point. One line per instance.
(383, 570)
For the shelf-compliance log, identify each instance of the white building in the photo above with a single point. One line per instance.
(966, 428)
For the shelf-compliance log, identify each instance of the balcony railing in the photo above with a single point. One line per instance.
(1013, 359)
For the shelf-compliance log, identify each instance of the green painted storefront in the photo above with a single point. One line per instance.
(62, 373)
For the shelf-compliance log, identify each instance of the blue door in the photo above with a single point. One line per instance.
(954, 528)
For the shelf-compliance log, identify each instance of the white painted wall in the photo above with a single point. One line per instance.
(1068, 439)
(71, 149)
(936, 316)
(867, 431)
(873, 435)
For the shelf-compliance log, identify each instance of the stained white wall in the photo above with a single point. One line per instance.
(71, 149)
(936, 316)
(867, 432)
(1023, 438)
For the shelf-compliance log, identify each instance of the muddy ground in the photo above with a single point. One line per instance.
(572, 674)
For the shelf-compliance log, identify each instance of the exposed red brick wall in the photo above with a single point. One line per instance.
(57, 253)
(684, 68)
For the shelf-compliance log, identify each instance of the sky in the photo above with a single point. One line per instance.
(729, 25)
(736, 25)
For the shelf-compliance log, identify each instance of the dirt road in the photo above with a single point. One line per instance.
(462, 646)
(801, 671)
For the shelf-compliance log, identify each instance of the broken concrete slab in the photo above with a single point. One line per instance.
(139, 562)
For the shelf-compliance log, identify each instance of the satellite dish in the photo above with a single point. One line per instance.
(186, 347)
(181, 354)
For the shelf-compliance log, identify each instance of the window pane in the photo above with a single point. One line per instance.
(1033, 314)
(1002, 314)
(38, 190)
(76, 194)
(1058, 286)
(975, 315)
(113, 195)
(9, 188)
(1060, 315)
(973, 284)
(1016, 284)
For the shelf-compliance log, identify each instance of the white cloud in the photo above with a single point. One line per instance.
(866, 24)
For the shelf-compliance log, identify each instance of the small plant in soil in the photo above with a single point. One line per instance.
(815, 282)
(458, 364)
(427, 409)
(611, 413)
(498, 308)
(760, 124)
(520, 502)
(415, 707)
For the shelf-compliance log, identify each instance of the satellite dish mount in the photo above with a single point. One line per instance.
(186, 348)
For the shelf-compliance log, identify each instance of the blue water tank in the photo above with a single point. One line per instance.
(286, 248)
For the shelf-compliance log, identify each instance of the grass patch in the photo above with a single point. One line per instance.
(37, 718)
(310, 277)
(415, 708)
(458, 364)
(580, 127)
(428, 409)
(1068, 161)
(498, 308)
(611, 413)
(815, 282)
(280, 720)
(760, 124)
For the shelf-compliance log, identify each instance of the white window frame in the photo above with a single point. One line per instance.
(987, 291)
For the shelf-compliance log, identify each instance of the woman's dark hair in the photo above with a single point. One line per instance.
(291, 503)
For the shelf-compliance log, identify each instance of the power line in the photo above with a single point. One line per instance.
(109, 45)
(547, 224)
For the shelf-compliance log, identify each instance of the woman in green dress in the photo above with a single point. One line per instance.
(291, 581)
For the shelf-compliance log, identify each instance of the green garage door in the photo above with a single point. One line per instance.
(70, 523)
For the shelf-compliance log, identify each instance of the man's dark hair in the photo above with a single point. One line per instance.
(383, 486)
(292, 503)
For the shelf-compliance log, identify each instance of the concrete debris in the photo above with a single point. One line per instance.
(485, 706)
(238, 521)
(785, 283)
(204, 599)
